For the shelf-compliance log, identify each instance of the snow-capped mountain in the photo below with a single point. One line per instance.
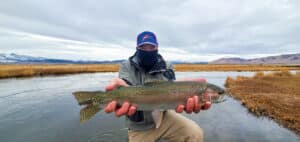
(24, 59)
(14, 58)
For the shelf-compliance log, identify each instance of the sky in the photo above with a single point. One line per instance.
(190, 30)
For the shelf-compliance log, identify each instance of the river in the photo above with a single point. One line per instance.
(43, 109)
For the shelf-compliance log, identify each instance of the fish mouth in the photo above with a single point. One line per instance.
(222, 92)
(216, 95)
(220, 99)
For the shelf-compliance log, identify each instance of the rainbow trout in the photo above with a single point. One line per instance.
(150, 96)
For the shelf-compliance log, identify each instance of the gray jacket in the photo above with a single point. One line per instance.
(133, 74)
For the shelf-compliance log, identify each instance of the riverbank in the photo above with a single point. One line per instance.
(29, 70)
(16, 70)
(275, 95)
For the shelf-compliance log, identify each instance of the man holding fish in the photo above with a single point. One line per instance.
(147, 65)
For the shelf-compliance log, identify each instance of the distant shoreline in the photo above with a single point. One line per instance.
(30, 70)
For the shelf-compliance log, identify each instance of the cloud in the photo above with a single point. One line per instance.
(102, 30)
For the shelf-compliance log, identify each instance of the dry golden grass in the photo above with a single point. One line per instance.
(7, 71)
(16, 70)
(276, 95)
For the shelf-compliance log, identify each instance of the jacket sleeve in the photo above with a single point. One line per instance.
(169, 73)
(124, 73)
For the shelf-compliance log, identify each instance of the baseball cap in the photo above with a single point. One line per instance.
(146, 37)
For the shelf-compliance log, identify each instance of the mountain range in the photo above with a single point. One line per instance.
(280, 59)
(24, 59)
(13, 58)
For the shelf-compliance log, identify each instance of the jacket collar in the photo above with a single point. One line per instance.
(160, 65)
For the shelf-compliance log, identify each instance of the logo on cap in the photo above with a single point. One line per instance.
(146, 36)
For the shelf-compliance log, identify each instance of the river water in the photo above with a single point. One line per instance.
(43, 109)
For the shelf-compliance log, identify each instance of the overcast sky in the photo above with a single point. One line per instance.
(190, 30)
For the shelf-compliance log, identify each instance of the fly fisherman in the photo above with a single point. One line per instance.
(144, 66)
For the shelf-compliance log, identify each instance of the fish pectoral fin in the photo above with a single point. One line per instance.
(88, 112)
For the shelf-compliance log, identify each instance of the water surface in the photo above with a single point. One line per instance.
(43, 109)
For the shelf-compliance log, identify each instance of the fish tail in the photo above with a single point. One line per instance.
(88, 112)
(85, 98)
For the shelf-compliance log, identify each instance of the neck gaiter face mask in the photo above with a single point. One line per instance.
(147, 59)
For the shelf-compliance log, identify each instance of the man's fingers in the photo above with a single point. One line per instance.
(200, 79)
(123, 109)
(189, 105)
(114, 83)
(110, 107)
(197, 106)
(132, 110)
(126, 108)
(109, 87)
(179, 108)
(206, 105)
(121, 82)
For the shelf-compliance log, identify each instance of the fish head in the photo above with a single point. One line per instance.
(214, 93)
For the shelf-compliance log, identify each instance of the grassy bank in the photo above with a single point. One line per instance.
(276, 95)
(16, 70)
(7, 71)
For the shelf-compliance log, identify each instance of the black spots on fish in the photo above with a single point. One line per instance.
(174, 91)
(97, 101)
(139, 92)
(83, 96)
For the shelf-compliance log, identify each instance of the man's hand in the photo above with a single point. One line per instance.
(192, 104)
(126, 108)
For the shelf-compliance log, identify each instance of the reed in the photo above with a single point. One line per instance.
(7, 71)
(275, 95)
(28, 70)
